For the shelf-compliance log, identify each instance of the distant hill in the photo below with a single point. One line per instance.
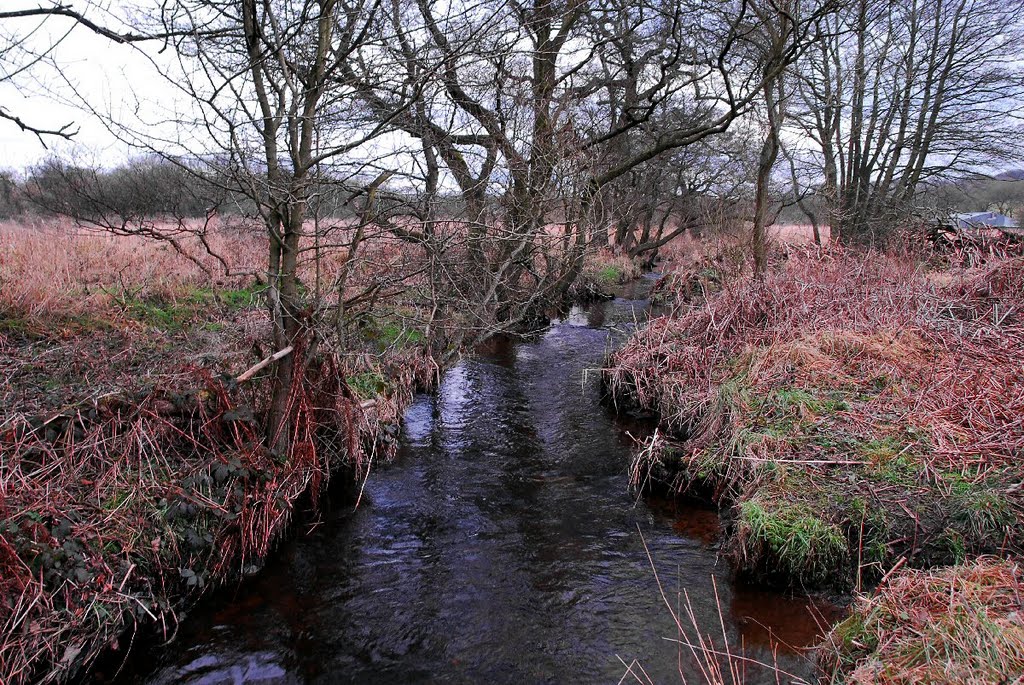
(1002, 193)
(1011, 175)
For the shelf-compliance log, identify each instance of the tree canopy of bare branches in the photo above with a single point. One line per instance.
(498, 141)
(897, 95)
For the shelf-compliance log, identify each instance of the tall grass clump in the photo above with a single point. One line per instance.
(849, 409)
(958, 624)
(603, 270)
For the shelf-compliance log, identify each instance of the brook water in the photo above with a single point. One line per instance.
(502, 546)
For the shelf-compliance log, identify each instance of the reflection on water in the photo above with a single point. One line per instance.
(502, 546)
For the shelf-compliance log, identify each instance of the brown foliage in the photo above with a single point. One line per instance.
(957, 624)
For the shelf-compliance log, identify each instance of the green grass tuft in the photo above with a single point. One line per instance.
(611, 274)
(791, 539)
(367, 385)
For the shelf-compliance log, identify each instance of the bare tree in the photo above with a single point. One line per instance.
(773, 22)
(545, 116)
(904, 94)
(265, 97)
(30, 36)
(492, 138)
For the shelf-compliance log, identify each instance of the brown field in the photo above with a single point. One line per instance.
(798, 234)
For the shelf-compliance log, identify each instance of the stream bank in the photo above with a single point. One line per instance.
(500, 545)
(144, 483)
(851, 411)
(856, 415)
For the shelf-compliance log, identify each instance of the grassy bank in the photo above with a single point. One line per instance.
(848, 411)
(958, 624)
(133, 474)
(602, 271)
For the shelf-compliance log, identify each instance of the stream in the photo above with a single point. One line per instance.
(503, 545)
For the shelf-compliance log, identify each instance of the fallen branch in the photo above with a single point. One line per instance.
(263, 364)
(896, 567)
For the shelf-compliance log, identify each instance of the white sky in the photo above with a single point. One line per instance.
(111, 77)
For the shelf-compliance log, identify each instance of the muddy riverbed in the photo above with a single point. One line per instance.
(503, 545)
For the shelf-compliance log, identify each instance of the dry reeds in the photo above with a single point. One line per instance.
(133, 471)
(117, 510)
(957, 624)
(859, 409)
(54, 269)
(712, 656)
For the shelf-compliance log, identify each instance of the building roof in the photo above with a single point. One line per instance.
(984, 220)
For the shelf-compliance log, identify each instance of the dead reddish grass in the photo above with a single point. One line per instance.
(55, 269)
(957, 624)
(118, 510)
(132, 469)
(836, 317)
(841, 385)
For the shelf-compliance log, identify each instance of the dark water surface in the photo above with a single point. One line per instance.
(502, 546)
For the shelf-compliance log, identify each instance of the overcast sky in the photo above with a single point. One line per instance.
(111, 77)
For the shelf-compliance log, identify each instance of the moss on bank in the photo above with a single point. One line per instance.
(812, 504)
(845, 412)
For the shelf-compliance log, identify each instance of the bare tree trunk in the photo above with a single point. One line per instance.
(285, 304)
(765, 164)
